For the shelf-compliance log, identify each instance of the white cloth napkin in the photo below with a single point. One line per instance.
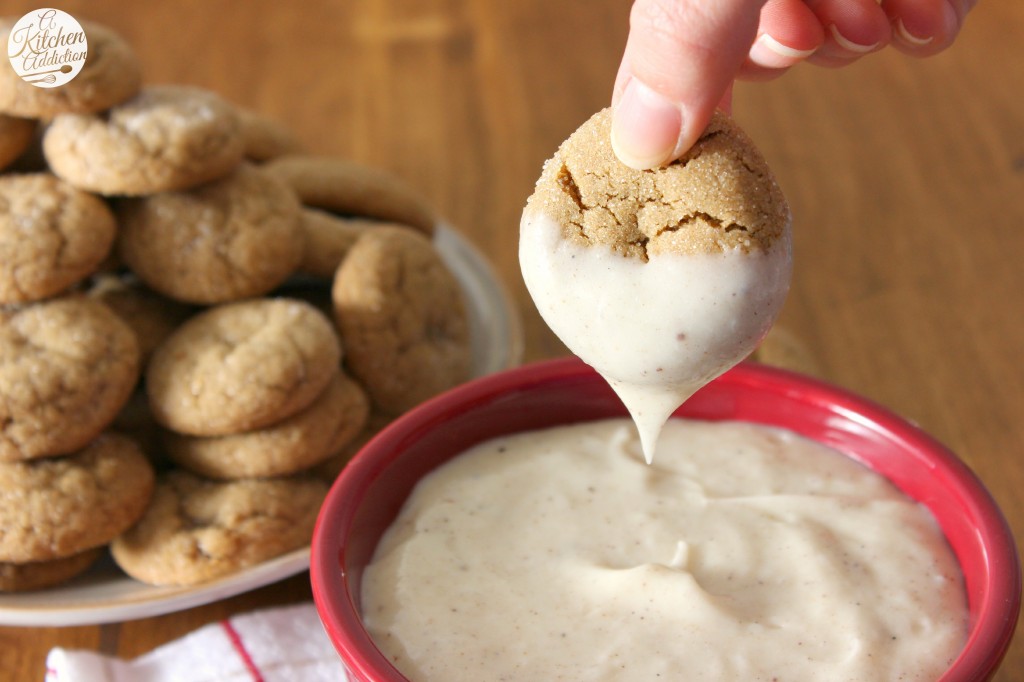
(286, 644)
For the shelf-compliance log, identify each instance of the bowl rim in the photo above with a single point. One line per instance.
(993, 619)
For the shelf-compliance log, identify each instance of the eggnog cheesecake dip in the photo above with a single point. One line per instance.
(660, 280)
(744, 552)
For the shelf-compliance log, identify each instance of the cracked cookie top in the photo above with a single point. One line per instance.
(52, 236)
(168, 137)
(721, 195)
(229, 239)
(242, 366)
(196, 530)
(58, 506)
(67, 366)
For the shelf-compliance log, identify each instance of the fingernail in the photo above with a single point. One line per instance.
(645, 127)
(908, 37)
(848, 44)
(770, 53)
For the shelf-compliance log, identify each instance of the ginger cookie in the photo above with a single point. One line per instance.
(288, 446)
(328, 239)
(242, 366)
(720, 195)
(234, 238)
(151, 316)
(59, 506)
(16, 135)
(402, 319)
(36, 575)
(196, 530)
(265, 138)
(52, 236)
(111, 74)
(67, 366)
(352, 189)
(166, 138)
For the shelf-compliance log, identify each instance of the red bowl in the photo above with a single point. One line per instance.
(370, 491)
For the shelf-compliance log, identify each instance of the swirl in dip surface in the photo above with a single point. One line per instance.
(660, 280)
(743, 553)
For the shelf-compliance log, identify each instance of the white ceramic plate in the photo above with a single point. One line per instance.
(104, 594)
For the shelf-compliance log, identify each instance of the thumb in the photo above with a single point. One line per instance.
(680, 59)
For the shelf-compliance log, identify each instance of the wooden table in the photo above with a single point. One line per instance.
(906, 180)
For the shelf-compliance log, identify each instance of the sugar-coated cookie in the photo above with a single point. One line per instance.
(719, 195)
(230, 239)
(402, 318)
(36, 575)
(52, 236)
(265, 138)
(328, 239)
(67, 366)
(352, 189)
(242, 366)
(16, 134)
(168, 137)
(151, 316)
(111, 74)
(58, 506)
(196, 530)
(288, 446)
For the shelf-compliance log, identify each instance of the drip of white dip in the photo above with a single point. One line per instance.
(744, 553)
(658, 330)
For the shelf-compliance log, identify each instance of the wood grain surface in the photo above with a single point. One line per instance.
(906, 180)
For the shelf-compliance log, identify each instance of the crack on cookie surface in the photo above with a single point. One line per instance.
(719, 196)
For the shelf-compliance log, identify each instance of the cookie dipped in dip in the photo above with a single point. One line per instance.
(663, 279)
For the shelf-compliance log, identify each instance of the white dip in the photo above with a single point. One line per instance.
(658, 330)
(742, 553)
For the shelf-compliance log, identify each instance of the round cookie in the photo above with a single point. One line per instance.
(16, 134)
(55, 507)
(719, 195)
(328, 239)
(167, 137)
(111, 74)
(230, 239)
(151, 316)
(67, 366)
(52, 236)
(242, 366)
(196, 530)
(288, 446)
(36, 575)
(402, 319)
(349, 188)
(265, 138)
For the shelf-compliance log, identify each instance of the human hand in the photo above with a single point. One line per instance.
(682, 56)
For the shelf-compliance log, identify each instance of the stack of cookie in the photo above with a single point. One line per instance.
(244, 316)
